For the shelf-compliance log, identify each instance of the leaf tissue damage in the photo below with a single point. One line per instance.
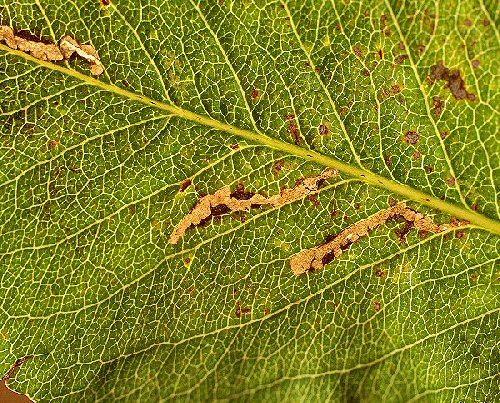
(224, 201)
(317, 257)
(39, 49)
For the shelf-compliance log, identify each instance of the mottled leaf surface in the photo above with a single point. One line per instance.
(95, 176)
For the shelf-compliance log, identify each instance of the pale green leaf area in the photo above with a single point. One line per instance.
(92, 171)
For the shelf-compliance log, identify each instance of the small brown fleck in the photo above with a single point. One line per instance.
(294, 131)
(377, 305)
(267, 311)
(451, 181)
(401, 45)
(358, 51)
(411, 137)
(460, 234)
(444, 134)
(313, 198)
(323, 130)
(486, 22)
(468, 22)
(401, 58)
(380, 273)
(105, 2)
(235, 146)
(184, 185)
(278, 166)
(428, 169)
(241, 310)
(438, 106)
(255, 94)
(476, 63)
(381, 54)
(53, 144)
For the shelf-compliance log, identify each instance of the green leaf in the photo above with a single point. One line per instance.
(97, 172)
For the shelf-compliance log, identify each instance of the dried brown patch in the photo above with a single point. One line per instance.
(50, 51)
(454, 81)
(224, 201)
(317, 257)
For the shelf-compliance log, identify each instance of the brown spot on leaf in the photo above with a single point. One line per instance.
(454, 81)
(235, 146)
(451, 181)
(315, 258)
(486, 22)
(401, 58)
(381, 54)
(105, 3)
(278, 166)
(323, 130)
(377, 305)
(428, 169)
(468, 22)
(438, 106)
(241, 311)
(476, 63)
(224, 201)
(411, 137)
(255, 95)
(53, 144)
(358, 51)
(444, 134)
(313, 198)
(294, 131)
(184, 185)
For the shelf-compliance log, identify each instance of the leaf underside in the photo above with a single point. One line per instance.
(255, 96)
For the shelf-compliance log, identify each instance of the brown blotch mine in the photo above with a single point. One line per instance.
(317, 257)
(454, 81)
(224, 201)
(50, 51)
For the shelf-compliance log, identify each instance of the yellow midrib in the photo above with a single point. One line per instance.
(313, 156)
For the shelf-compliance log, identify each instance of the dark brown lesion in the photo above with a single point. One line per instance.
(454, 81)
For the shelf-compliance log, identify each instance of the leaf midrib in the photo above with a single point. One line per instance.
(366, 176)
